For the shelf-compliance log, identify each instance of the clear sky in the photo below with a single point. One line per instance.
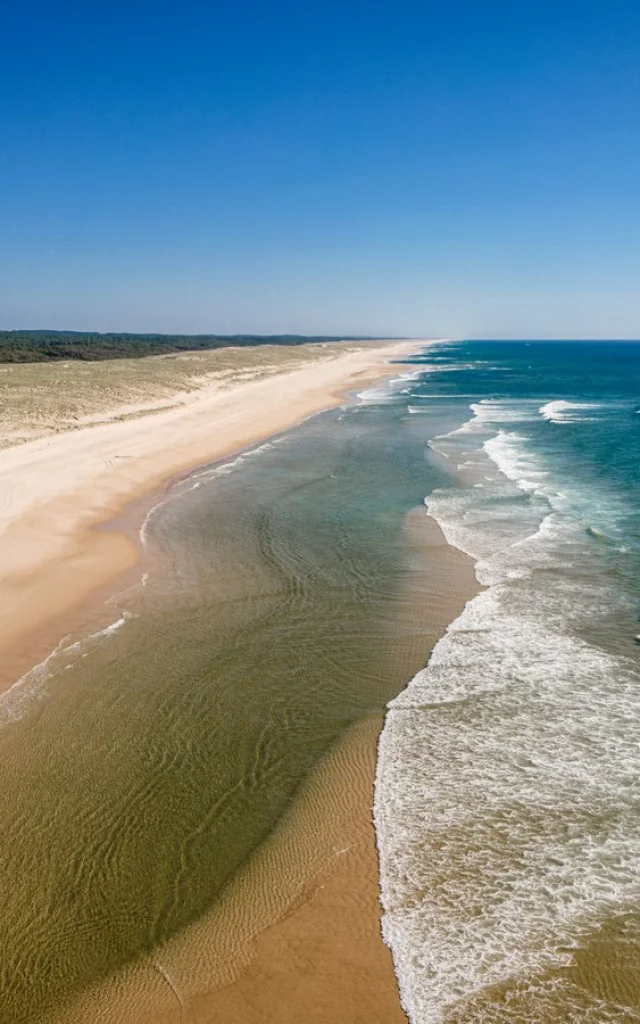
(452, 169)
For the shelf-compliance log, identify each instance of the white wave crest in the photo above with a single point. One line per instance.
(523, 468)
(18, 700)
(562, 411)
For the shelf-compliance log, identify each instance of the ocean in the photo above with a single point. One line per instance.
(289, 593)
(508, 795)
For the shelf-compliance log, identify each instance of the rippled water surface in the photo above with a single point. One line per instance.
(140, 767)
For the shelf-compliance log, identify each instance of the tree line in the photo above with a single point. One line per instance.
(44, 346)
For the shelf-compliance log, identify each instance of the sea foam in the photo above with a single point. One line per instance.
(504, 845)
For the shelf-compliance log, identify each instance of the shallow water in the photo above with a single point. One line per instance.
(142, 766)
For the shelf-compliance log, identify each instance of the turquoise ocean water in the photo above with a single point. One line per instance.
(508, 792)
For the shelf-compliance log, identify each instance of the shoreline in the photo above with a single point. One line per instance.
(324, 945)
(65, 542)
(334, 931)
(296, 934)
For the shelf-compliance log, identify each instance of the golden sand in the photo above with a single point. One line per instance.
(55, 489)
(296, 934)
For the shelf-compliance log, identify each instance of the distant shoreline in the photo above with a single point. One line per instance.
(61, 491)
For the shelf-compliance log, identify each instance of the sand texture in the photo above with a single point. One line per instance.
(157, 422)
(296, 934)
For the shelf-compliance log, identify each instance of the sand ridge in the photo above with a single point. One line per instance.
(296, 934)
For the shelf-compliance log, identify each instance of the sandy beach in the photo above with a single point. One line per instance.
(296, 934)
(57, 488)
(61, 555)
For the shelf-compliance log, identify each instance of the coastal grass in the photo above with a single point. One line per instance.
(43, 399)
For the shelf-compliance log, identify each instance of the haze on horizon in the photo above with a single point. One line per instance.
(359, 168)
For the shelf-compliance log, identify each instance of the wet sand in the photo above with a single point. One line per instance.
(296, 934)
(324, 960)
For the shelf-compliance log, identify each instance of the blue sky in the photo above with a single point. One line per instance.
(460, 169)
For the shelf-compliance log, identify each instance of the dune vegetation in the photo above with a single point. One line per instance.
(41, 399)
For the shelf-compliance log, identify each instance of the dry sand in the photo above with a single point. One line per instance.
(56, 488)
